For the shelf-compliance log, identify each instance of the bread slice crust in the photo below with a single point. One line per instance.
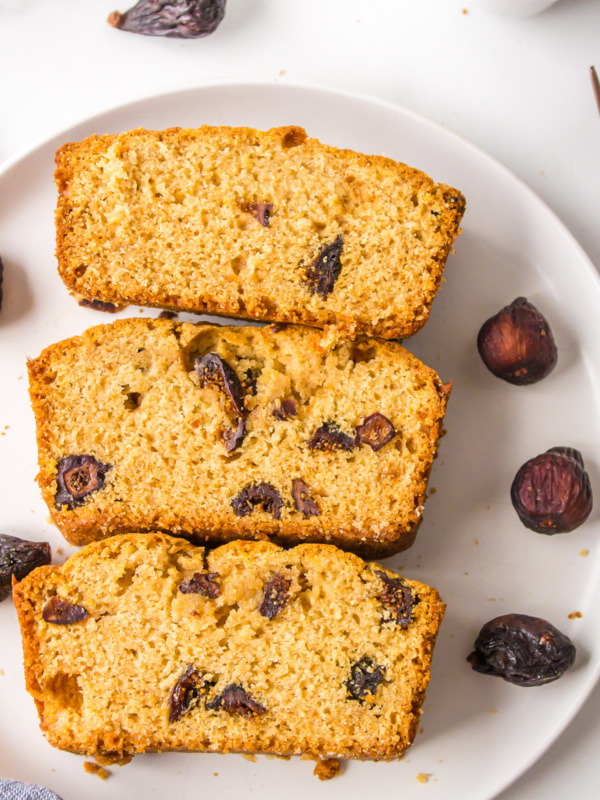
(128, 396)
(228, 221)
(104, 685)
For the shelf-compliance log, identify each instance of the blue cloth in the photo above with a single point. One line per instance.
(15, 790)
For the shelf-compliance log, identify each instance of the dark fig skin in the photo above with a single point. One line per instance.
(365, 678)
(324, 271)
(77, 477)
(287, 409)
(59, 611)
(329, 437)
(234, 699)
(260, 211)
(203, 583)
(175, 19)
(523, 650)
(19, 557)
(212, 370)
(186, 694)
(258, 494)
(233, 437)
(396, 599)
(376, 431)
(302, 499)
(517, 344)
(551, 493)
(275, 596)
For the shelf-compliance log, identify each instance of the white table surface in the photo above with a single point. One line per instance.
(519, 88)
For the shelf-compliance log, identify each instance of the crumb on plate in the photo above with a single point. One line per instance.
(96, 769)
(327, 769)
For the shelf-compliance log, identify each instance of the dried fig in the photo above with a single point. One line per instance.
(517, 344)
(212, 370)
(275, 596)
(236, 700)
(259, 494)
(524, 650)
(376, 431)
(233, 437)
(330, 437)
(551, 493)
(365, 678)
(260, 211)
(58, 611)
(187, 693)
(19, 557)
(176, 19)
(76, 478)
(285, 410)
(322, 274)
(302, 499)
(396, 599)
(204, 583)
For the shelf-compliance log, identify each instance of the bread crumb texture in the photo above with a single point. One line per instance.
(232, 221)
(152, 667)
(129, 397)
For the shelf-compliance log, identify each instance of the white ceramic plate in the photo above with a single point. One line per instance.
(479, 733)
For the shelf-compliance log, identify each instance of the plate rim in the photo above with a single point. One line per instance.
(29, 151)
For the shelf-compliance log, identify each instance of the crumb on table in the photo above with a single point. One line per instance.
(575, 615)
(250, 757)
(423, 777)
(95, 769)
(327, 769)
(584, 553)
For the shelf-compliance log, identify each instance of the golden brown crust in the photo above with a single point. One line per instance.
(370, 502)
(407, 251)
(102, 685)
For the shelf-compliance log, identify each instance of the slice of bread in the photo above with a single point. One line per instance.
(238, 222)
(228, 432)
(145, 642)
